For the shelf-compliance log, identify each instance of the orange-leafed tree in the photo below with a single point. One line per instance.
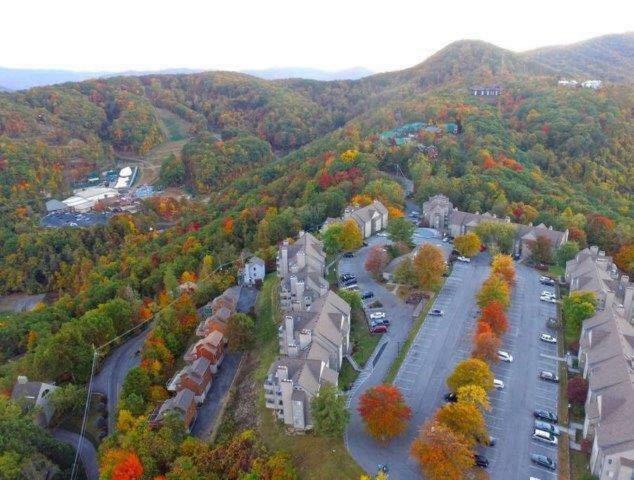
(384, 411)
(486, 346)
(465, 419)
(119, 464)
(429, 266)
(468, 244)
(471, 371)
(442, 453)
(129, 468)
(503, 265)
(494, 288)
(493, 315)
(624, 259)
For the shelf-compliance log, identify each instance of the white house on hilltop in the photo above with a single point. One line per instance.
(253, 271)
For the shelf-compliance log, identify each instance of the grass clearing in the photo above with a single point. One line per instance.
(174, 127)
(315, 457)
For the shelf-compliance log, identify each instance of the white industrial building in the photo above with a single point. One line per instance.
(86, 198)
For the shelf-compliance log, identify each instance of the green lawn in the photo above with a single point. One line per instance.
(418, 323)
(363, 344)
(579, 466)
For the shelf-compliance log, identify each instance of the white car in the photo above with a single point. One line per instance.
(499, 384)
(377, 315)
(546, 293)
(464, 259)
(381, 234)
(544, 337)
(544, 298)
(505, 356)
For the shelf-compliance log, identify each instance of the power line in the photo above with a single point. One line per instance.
(96, 354)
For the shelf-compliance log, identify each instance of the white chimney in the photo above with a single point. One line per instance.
(289, 326)
(282, 372)
(300, 258)
(284, 259)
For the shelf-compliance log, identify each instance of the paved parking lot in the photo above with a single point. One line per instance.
(74, 219)
(444, 341)
(440, 343)
(511, 419)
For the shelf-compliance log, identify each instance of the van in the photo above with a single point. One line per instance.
(545, 437)
(352, 288)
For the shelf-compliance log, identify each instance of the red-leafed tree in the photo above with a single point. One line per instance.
(493, 315)
(577, 390)
(384, 412)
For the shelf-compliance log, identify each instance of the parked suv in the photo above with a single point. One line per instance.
(481, 461)
(548, 376)
(367, 295)
(543, 461)
(544, 437)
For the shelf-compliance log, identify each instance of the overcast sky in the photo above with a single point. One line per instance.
(325, 34)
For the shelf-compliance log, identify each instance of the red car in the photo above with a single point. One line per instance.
(378, 329)
(483, 247)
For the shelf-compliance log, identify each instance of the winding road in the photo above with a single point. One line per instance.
(111, 375)
(87, 454)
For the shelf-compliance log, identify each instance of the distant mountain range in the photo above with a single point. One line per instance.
(310, 73)
(610, 57)
(21, 79)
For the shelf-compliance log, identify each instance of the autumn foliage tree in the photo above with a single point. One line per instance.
(495, 289)
(493, 315)
(351, 237)
(442, 453)
(376, 260)
(577, 390)
(384, 411)
(118, 464)
(471, 371)
(468, 244)
(465, 419)
(474, 395)
(485, 346)
(503, 265)
(624, 259)
(429, 266)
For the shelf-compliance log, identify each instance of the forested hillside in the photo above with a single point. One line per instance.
(290, 154)
(610, 57)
